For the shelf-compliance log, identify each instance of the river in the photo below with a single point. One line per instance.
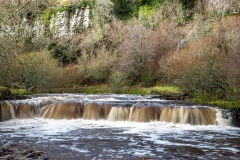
(82, 138)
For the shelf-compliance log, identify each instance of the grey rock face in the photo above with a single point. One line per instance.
(66, 24)
(63, 24)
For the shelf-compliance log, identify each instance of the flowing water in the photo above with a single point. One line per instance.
(72, 126)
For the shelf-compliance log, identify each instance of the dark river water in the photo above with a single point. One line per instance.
(86, 139)
(103, 139)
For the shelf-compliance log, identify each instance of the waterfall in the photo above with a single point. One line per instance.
(62, 110)
(185, 115)
(223, 121)
(144, 114)
(116, 108)
(118, 114)
(6, 111)
(92, 111)
(26, 110)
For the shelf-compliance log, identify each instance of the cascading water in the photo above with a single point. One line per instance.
(62, 110)
(118, 126)
(136, 109)
(6, 111)
(189, 115)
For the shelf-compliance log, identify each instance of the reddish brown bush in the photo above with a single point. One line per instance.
(197, 69)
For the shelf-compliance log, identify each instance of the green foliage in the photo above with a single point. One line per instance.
(62, 53)
(145, 10)
(17, 91)
(93, 90)
(149, 78)
(149, 2)
(5, 93)
(85, 3)
(168, 92)
(169, 89)
(116, 81)
(188, 7)
(124, 9)
(47, 13)
(207, 99)
(86, 89)
(28, 44)
(135, 91)
(225, 104)
(188, 4)
(35, 69)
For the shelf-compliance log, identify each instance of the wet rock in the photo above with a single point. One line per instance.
(16, 152)
(38, 153)
(24, 152)
(30, 155)
(9, 157)
(236, 117)
(6, 151)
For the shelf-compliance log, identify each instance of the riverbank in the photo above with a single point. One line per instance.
(164, 91)
(159, 93)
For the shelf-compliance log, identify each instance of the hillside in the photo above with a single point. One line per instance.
(50, 44)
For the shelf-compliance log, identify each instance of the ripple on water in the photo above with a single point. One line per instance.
(106, 139)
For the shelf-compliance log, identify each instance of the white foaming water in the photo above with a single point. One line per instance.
(77, 97)
(111, 139)
(151, 139)
(39, 126)
(221, 121)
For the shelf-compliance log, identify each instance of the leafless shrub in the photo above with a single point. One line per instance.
(232, 69)
(197, 69)
(170, 10)
(96, 69)
(135, 51)
(34, 70)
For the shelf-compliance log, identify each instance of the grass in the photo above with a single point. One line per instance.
(93, 89)
(168, 92)
(135, 90)
(226, 104)
(167, 89)
(17, 91)
(211, 100)
(164, 91)
(104, 89)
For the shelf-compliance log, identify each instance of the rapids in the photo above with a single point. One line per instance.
(83, 126)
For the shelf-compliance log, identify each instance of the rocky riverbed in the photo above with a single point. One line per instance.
(20, 152)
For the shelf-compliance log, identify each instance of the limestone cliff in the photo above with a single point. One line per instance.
(62, 24)
(66, 23)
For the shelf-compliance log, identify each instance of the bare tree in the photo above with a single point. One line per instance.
(135, 51)
(12, 33)
(222, 6)
(36, 69)
(198, 69)
(96, 69)
(232, 69)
